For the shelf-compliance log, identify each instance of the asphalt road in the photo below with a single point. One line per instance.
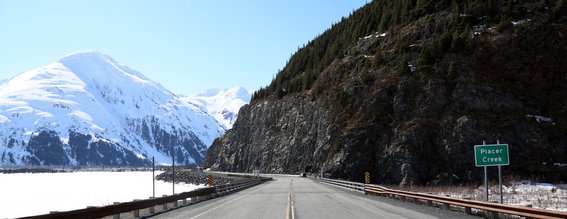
(295, 197)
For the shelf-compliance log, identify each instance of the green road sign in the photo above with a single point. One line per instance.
(491, 155)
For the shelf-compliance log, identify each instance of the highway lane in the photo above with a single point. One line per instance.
(295, 197)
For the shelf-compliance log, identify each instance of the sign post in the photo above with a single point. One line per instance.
(153, 177)
(173, 174)
(492, 155)
(500, 177)
(485, 176)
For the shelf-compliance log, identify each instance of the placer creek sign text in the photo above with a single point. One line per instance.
(491, 155)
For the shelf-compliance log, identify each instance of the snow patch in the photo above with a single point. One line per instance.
(375, 35)
(64, 140)
(4, 119)
(541, 119)
(520, 22)
(81, 115)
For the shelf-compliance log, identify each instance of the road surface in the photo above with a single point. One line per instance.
(295, 197)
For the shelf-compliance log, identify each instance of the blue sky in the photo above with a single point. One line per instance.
(187, 46)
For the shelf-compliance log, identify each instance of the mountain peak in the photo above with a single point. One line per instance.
(86, 56)
(239, 92)
(94, 65)
(210, 92)
(87, 109)
(236, 92)
(222, 104)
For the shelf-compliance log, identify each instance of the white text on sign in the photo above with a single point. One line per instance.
(491, 151)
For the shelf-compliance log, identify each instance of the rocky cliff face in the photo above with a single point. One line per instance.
(275, 136)
(392, 106)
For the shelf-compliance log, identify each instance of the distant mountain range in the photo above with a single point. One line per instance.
(88, 109)
(222, 104)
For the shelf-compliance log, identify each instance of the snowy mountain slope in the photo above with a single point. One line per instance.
(222, 104)
(87, 109)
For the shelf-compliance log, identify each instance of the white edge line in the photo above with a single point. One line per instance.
(228, 202)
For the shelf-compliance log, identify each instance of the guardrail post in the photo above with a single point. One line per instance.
(468, 210)
(176, 203)
(152, 209)
(447, 206)
(494, 215)
(136, 212)
(164, 206)
(116, 216)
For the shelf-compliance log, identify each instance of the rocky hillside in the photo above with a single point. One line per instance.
(405, 89)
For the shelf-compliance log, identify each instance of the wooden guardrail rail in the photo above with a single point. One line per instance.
(491, 208)
(117, 209)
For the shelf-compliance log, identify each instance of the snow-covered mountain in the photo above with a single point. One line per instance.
(222, 104)
(87, 109)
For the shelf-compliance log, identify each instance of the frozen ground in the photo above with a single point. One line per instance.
(537, 195)
(29, 194)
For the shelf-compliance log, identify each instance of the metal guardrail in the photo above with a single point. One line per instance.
(347, 184)
(236, 186)
(116, 209)
(491, 208)
(98, 212)
(468, 204)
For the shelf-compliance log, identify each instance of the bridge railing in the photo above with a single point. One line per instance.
(493, 209)
(136, 206)
(346, 184)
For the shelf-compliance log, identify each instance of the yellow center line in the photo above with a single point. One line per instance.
(287, 209)
(290, 208)
(291, 196)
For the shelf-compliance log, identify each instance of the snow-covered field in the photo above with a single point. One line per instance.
(29, 194)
